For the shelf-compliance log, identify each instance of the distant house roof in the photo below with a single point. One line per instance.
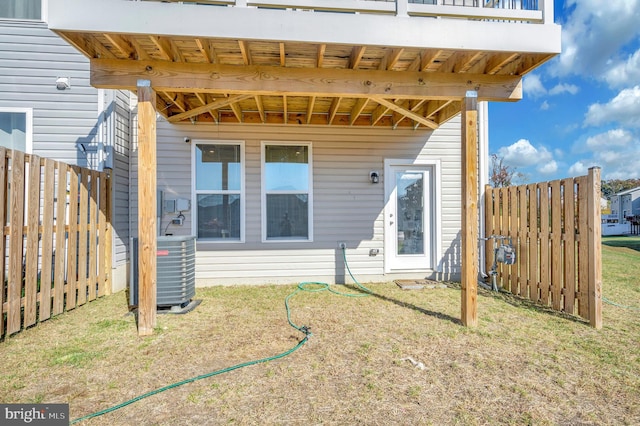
(628, 191)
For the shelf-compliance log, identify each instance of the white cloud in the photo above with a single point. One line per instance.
(545, 106)
(548, 167)
(523, 154)
(532, 86)
(564, 88)
(624, 72)
(623, 109)
(578, 168)
(612, 138)
(595, 37)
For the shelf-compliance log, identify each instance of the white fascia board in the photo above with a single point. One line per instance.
(175, 19)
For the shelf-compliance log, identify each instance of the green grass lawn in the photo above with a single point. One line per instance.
(522, 364)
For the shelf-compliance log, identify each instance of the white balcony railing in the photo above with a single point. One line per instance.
(529, 11)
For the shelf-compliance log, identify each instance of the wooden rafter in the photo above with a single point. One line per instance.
(260, 106)
(236, 110)
(356, 56)
(495, 64)
(310, 105)
(208, 107)
(283, 54)
(164, 48)
(285, 110)
(428, 58)
(245, 51)
(390, 59)
(378, 113)
(413, 106)
(357, 109)
(403, 111)
(141, 53)
(121, 44)
(333, 109)
(205, 50)
(321, 49)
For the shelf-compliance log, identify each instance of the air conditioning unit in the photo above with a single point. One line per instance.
(176, 275)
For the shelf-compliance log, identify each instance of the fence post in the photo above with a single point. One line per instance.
(595, 248)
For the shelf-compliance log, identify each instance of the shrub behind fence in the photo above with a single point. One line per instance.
(55, 252)
(555, 227)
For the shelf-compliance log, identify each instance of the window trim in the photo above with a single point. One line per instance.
(44, 14)
(195, 192)
(263, 192)
(28, 112)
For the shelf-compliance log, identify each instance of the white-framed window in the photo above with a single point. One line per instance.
(219, 190)
(24, 10)
(16, 128)
(287, 196)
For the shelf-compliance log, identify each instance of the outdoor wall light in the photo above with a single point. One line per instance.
(374, 177)
(63, 83)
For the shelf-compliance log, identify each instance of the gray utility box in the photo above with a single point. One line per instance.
(176, 271)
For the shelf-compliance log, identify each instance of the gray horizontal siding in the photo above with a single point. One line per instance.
(31, 59)
(347, 207)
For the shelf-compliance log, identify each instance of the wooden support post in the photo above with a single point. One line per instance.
(595, 248)
(470, 210)
(147, 239)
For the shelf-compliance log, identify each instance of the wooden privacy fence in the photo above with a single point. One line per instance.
(55, 252)
(555, 228)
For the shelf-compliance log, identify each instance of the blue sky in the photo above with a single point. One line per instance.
(582, 108)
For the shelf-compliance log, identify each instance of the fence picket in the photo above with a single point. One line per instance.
(72, 264)
(102, 230)
(583, 247)
(16, 239)
(523, 264)
(569, 246)
(93, 215)
(534, 249)
(3, 220)
(47, 239)
(544, 243)
(556, 245)
(513, 233)
(82, 238)
(60, 240)
(31, 253)
(504, 226)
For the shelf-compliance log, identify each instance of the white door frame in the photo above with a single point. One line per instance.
(435, 222)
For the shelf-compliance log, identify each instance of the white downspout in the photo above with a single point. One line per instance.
(483, 174)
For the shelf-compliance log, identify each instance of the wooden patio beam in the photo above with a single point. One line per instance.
(469, 279)
(405, 112)
(276, 81)
(147, 240)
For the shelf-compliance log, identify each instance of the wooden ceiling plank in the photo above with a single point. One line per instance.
(163, 47)
(80, 43)
(499, 61)
(273, 80)
(466, 61)
(357, 109)
(245, 51)
(321, 49)
(260, 106)
(356, 56)
(428, 57)
(140, 52)
(310, 105)
(121, 44)
(208, 107)
(409, 114)
(394, 56)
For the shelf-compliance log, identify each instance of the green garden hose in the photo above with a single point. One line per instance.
(309, 286)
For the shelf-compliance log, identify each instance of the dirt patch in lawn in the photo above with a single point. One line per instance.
(399, 357)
